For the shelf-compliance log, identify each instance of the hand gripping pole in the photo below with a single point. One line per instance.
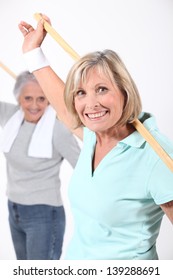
(136, 123)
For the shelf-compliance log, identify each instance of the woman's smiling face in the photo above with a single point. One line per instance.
(98, 102)
(33, 102)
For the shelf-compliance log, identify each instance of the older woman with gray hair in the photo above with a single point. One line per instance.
(35, 143)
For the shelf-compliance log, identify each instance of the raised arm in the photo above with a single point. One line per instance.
(52, 85)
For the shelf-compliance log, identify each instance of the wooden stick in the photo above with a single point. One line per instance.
(57, 37)
(154, 144)
(137, 124)
(4, 67)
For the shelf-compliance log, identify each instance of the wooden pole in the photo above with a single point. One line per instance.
(136, 123)
(153, 143)
(4, 67)
(57, 38)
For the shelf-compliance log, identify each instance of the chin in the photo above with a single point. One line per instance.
(96, 128)
(34, 119)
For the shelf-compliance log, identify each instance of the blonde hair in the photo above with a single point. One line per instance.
(109, 63)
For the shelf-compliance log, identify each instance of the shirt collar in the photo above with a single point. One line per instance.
(135, 139)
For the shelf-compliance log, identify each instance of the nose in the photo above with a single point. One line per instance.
(92, 103)
(92, 107)
(34, 104)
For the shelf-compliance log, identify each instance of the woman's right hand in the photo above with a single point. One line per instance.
(33, 38)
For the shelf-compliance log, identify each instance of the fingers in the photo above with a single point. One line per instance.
(33, 38)
(46, 18)
(40, 25)
(22, 29)
(25, 28)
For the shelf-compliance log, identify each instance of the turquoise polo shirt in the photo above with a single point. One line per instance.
(116, 208)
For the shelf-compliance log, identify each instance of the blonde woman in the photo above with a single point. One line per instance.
(120, 188)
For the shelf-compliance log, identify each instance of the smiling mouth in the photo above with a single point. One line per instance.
(33, 112)
(94, 116)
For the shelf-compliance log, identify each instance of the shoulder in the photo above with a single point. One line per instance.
(62, 136)
(61, 129)
(149, 121)
(7, 110)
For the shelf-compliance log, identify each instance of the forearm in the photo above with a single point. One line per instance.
(52, 85)
(53, 88)
(50, 82)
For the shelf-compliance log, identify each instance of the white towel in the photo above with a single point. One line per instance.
(41, 141)
(10, 131)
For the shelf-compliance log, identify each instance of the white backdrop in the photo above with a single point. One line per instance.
(141, 31)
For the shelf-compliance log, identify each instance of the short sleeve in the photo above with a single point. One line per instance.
(6, 112)
(66, 144)
(161, 183)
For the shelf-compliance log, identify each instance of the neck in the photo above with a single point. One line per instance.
(106, 141)
(115, 134)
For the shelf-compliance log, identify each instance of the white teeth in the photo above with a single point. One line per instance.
(96, 115)
(33, 111)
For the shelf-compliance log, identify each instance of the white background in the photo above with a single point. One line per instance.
(140, 31)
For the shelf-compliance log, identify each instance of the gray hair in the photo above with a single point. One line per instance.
(22, 79)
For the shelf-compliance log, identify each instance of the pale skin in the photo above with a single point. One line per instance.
(33, 102)
(98, 103)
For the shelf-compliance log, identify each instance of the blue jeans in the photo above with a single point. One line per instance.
(37, 231)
